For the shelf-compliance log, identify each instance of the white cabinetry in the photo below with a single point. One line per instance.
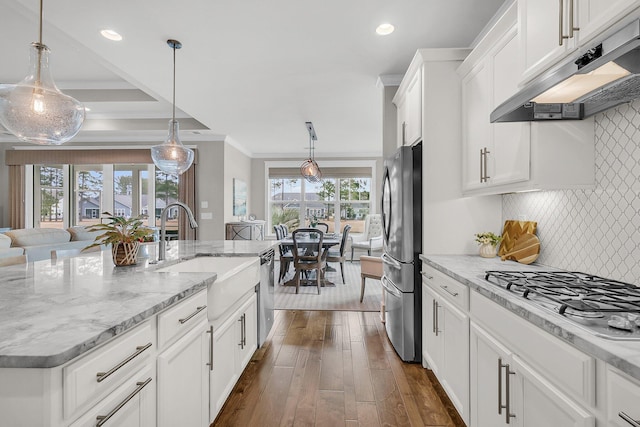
(409, 104)
(234, 342)
(552, 29)
(623, 395)
(445, 332)
(506, 157)
(183, 386)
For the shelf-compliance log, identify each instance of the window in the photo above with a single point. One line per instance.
(88, 194)
(49, 200)
(285, 196)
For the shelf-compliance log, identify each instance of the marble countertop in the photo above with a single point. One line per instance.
(469, 269)
(53, 312)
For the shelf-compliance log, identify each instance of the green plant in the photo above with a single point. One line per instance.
(120, 230)
(488, 238)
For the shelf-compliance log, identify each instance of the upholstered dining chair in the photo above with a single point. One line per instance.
(308, 255)
(370, 267)
(286, 257)
(371, 239)
(338, 255)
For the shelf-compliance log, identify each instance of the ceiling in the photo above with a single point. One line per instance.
(250, 72)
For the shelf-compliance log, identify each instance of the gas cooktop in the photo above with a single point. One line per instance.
(605, 307)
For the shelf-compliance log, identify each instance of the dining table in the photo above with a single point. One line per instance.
(329, 240)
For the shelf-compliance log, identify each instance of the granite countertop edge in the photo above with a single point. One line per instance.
(613, 352)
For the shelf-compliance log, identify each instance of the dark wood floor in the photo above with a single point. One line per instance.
(333, 368)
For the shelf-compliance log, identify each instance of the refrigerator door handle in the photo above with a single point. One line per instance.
(389, 287)
(390, 261)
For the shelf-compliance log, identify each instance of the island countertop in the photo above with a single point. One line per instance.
(470, 270)
(52, 312)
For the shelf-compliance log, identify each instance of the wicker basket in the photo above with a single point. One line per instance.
(125, 253)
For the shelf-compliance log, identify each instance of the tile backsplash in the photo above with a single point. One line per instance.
(595, 231)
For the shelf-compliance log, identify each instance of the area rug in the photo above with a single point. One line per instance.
(339, 297)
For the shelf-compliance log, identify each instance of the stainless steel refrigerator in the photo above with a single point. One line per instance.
(402, 225)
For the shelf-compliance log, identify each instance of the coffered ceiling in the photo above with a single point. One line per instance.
(250, 71)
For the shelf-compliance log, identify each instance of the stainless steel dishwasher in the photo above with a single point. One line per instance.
(265, 290)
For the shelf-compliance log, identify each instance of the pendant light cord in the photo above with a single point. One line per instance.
(173, 117)
(40, 31)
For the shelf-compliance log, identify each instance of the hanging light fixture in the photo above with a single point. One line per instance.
(35, 110)
(309, 168)
(172, 157)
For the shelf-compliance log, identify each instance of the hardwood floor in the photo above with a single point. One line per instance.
(334, 368)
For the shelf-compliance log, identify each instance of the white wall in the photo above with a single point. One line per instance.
(210, 189)
(236, 165)
(595, 231)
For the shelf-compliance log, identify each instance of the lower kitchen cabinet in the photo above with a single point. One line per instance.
(623, 395)
(183, 386)
(506, 391)
(445, 332)
(234, 342)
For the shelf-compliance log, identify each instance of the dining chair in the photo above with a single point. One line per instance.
(323, 226)
(338, 255)
(370, 267)
(13, 260)
(286, 257)
(371, 239)
(308, 255)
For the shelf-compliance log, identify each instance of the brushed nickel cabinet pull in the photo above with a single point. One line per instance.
(437, 321)
(198, 310)
(101, 376)
(104, 418)
(561, 35)
(486, 176)
(433, 316)
(426, 275)
(571, 27)
(446, 289)
(404, 128)
(507, 408)
(500, 366)
(481, 165)
(242, 332)
(627, 418)
(210, 364)
(244, 329)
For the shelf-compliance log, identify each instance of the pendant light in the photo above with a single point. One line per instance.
(172, 157)
(309, 168)
(35, 110)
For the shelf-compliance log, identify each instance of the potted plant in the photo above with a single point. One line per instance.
(488, 242)
(124, 235)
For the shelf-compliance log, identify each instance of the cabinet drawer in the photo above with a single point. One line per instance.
(95, 375)
(450, 289)
(563, 365)
(178, 320)
(623, 395)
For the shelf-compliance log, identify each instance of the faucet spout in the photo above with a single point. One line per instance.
(163, 225)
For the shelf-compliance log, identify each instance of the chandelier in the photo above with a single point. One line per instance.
(309, 168)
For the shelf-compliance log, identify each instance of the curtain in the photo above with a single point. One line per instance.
(16, 196)
(187, 195)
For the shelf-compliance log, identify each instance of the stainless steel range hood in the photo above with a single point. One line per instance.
(606, 75)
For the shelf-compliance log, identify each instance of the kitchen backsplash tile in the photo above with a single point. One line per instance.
(595, 231)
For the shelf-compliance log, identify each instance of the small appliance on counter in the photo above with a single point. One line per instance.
(402, 233)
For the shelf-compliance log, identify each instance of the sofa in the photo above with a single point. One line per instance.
(37, 243)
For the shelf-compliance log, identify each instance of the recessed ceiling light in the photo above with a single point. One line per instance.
(385, 29)
(111, 35)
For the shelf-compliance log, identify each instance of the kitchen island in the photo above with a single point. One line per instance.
(53, 313)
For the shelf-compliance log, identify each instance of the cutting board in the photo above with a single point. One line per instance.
(512, 230)
(525, 250)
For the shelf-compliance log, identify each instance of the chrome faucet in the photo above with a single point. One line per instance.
(163, 226)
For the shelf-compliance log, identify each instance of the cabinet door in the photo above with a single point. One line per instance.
(454, 326)
(594, 16)
(183, 380)
(488, 391)
(413, 114)
(623, 395)
(247, 333)
(224, 373)
(432, 350)
(538, 403)
(542, 25)
(476, 130)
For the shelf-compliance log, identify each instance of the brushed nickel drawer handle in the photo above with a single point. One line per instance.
(446, 289)
(628, 419)
(198, 310)
(101, 376)
(104, 418)
(426, 275)
(210, 364)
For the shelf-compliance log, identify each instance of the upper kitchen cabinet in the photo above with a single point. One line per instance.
(518, 156)
(408, 101)
(552, 29)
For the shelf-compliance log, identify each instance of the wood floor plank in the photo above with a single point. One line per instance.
(293, 379)
(330, 409)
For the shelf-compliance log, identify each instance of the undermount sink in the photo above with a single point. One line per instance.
(235, 277)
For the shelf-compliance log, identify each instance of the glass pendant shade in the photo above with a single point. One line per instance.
(311, 171)
(172, 157)
(35, 110)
